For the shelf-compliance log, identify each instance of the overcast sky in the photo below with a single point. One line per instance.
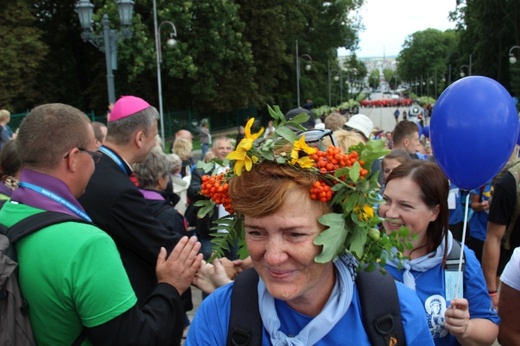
(388, 22)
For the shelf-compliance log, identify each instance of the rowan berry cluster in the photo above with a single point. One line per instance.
(216, 188)
(327, 162)
(332, 159)
(321, 191)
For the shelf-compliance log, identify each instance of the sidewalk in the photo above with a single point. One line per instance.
(196, 296)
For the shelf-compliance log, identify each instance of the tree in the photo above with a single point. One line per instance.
(426, 54)
(374, 79)
(22, 54)
(489, 28)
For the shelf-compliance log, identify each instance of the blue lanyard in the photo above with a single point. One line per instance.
(114, 157)
(56, 198)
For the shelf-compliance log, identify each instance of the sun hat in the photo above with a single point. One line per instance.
(126, 106)
(361, 123)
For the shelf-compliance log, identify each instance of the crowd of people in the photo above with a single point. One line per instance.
(122, 273)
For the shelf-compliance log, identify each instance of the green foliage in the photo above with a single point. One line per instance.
(425, 55)
(23, 52)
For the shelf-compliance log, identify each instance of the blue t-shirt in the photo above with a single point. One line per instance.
(456, 214)
(431, 290)
(478, 222)
(210, 324)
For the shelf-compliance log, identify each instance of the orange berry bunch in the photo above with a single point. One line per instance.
(215, 188)
(321, 191)
(332, 159)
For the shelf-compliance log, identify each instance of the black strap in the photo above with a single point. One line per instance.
(380, 307)
(34, 223)
(245, 323)
(377, 294)
(452, 261)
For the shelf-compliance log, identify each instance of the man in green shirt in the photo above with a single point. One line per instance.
(71, 273)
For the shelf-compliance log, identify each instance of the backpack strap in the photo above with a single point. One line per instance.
(36, 222)
(245, 324)
(379, 303)
(380, 307)
(32, 224)
(452, 261)
(506, 240)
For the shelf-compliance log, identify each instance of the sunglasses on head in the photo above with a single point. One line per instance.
(315, 137)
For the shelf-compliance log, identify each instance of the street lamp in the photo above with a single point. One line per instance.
(462, 74)
(308, 67)
(512, 58)
(108, 41)
(171, 42)
(337, 77)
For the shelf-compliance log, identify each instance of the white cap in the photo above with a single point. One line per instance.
(362, 123)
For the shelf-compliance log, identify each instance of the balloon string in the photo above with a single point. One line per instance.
(459, 270)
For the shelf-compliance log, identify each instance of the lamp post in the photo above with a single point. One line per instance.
(108, 41)
(462, 74)
(308, 66)
(337, 77)
(171, 42)
(512, 58)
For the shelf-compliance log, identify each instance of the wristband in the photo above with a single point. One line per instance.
(492, 293)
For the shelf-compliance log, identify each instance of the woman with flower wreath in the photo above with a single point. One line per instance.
(416, 197)
(304, 238)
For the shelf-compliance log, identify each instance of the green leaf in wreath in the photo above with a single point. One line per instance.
(276, 114)
(353, 173)
(332, 238)
(206, 207)
(286, 133)
(358, 241)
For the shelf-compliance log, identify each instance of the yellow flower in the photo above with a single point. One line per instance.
(301, 145)
(305, 162)
(366, 214)
(240, 154)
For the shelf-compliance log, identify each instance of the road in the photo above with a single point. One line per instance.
(383, 118)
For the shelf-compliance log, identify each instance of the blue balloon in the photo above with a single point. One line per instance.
(420, 128)
(426, 131)
(473, 130)
(518, 139)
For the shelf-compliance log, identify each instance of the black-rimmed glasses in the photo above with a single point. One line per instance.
(96, 156)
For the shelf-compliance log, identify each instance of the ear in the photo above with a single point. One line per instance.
(435, 212)
(72, 160)
(406, 142)
(139, 138)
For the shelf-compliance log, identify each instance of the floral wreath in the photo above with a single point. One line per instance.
(344, 180)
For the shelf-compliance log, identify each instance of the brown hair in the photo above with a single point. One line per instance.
(434, 188)
(48, 132)
(262, 190)
(335, 121)
(9, 161)
(403, 130)
(396, 154)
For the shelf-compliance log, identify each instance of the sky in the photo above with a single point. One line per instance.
(388, 23)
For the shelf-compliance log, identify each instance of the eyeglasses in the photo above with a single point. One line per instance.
(96, 156)
(314, 137)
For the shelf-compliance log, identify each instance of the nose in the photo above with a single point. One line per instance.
(389, 210)
(275, 252)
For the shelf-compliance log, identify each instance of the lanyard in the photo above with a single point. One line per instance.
(114, 157)
(56, 198)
